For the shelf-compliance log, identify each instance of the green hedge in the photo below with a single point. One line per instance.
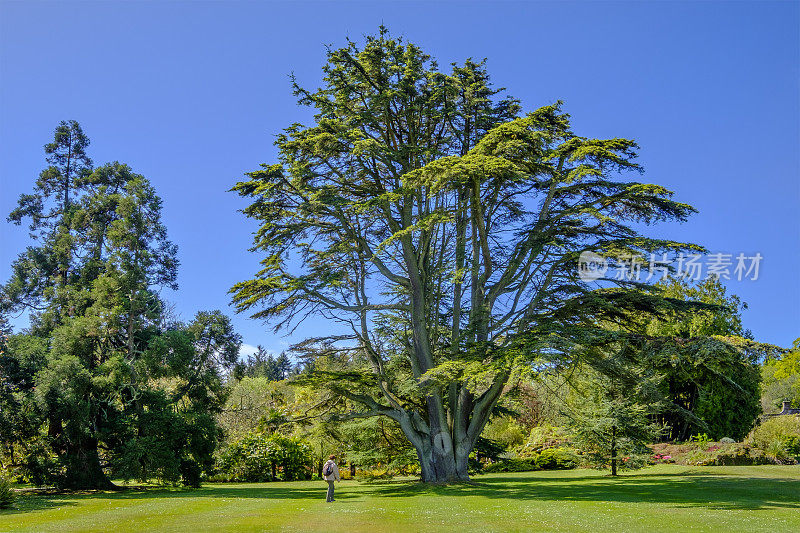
(548, 459)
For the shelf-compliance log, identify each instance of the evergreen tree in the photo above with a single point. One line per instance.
(713, 391)
(41, 275)
(283, 366)
(442, 230)
(89, 377)
(264, 364)
(615, 398)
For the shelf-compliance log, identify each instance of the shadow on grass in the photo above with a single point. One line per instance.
(42, 500)
(676, 490)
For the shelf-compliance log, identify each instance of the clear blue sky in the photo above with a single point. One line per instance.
(192, 94)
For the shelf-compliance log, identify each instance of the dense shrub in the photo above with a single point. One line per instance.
(543, 437)
(170, 446)
(778, 438)
(506, 431)
(700, 440)
(727, 454)
(548, 459)
(557, 459)
(260, 457)
(6, 492)
(517, 464)
(781, 377)
(377, 474)
(381, 472)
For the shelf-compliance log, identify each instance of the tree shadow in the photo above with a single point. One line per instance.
(30, 501)
(712, 491)
(679, 490)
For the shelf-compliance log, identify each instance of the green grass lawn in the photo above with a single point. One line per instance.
(661, 498)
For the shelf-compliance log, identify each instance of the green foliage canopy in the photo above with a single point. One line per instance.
(441, 229)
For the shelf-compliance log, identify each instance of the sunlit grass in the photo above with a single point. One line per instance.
(662, 498)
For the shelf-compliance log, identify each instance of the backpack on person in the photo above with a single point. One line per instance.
(328, 470)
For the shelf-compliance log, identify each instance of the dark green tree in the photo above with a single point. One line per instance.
(215, 341)
(442, 231)
(22, 356)
(704, 364)
(172, 432)
(9, 406)
(85, 375)
(283, 366)
(48, 207)
(264, 364)
(713, 391)
(258, 364)
(41, 275)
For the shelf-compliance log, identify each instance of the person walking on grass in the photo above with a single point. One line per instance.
(330, 473)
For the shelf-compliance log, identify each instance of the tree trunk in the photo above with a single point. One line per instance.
(80, 459)
(288, 475)
(443, 449)
(613, 450)
(83, 468)
(441, 468)
(439, 460)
